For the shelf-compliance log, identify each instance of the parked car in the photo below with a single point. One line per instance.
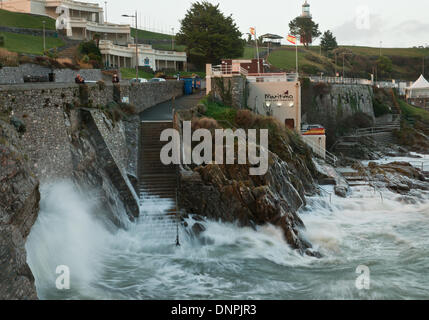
(157, 80)
(139, 80)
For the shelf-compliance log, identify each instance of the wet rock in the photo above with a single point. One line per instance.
(19, 207)
(197, 229)
(197, 218)
(341, 191)
(312, 253)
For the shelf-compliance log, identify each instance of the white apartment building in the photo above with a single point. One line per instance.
(83, 20)
(125, 57)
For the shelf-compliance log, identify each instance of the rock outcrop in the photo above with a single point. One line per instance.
(399, 177)
(19, 207)
(230, 194)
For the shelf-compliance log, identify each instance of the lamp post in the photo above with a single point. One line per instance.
(44, 37)
(381, 42)
(344, 54)
(105, 10)
(172, 39)
(136, 42)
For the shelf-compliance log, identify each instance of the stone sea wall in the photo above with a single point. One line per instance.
(19, 207)
(15, 75)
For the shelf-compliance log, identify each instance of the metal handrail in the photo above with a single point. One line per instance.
(370, 182)
(326, 191)
(330, 156)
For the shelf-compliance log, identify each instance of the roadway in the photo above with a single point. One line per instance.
(163, 111)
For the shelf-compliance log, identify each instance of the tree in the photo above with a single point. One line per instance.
(97, 37)
(305, 28)
(328, 41)
(207, 32)
(385, 65)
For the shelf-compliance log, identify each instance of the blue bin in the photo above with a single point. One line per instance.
(188, 86)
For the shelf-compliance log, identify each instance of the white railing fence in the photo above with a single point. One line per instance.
(322, 152)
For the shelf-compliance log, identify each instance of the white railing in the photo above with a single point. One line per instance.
(322, 152)
(376, 130)
(341, 80)
(228, 69)
(272, 77)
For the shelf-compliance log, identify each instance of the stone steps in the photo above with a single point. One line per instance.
(157, 182)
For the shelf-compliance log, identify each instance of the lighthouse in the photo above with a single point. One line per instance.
(306, 10)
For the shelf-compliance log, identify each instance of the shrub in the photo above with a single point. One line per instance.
(128, 109)
(85, 59)
(25, 59)
(204, 123)
(1, 41)
(245, 118)
(309, 69)
(88, 47)
(380, 108)
(8, 58)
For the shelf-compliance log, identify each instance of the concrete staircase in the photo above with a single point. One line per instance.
(157, 184)
(353, 177)
(69, 49)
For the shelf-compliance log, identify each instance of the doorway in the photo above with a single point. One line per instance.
(290, 123)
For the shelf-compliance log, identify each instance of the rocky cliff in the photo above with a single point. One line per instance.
(94, 148)
(19, 206)
(228, 193)
(335, 105)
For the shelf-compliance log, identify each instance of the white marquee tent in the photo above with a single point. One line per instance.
(419, 89)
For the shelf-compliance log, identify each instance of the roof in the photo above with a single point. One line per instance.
(272, 36)
(421, 83)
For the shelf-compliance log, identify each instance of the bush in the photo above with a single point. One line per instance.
(7, 58)
(245, 118)
(380, 108)
(1, 41)
(204, 123)
(89, 47)
(309, 69)
(128, 109)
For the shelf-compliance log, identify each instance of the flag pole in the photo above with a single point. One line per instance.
(257, 52)
(296, 53)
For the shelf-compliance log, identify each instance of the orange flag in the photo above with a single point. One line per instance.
(252, 31)
(291, 39)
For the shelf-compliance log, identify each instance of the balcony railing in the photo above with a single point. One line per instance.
(341, 80)
(227, 69)
(272, 77)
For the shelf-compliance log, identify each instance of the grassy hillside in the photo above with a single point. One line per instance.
(407, 62)
(130, 73)
(414, 112)
(28, 44)
(148, 35)
(24, 20)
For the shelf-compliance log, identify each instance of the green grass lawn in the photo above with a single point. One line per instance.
(414, 112)
(148, 35)
(167, 47)
(402, 52)
(249, 53)
(285, 59)
(220, 112)
(23, 43)
(130, 73)
(188, 74)
(25, 20)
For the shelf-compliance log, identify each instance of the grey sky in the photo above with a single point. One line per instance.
(354, 22)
